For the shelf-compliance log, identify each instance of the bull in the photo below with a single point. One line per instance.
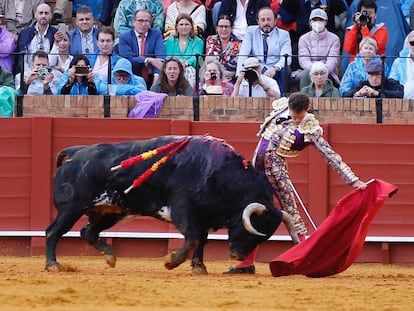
(205, 185)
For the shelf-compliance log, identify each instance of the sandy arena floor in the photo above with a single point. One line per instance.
(144, 284)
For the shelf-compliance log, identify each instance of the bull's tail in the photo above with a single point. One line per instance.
(66, 153)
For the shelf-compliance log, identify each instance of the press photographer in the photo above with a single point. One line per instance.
(251, 83)
(365, 26)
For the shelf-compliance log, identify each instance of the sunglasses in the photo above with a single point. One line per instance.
(411, 43)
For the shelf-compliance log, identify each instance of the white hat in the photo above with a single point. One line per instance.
(318, 13)
(251, 62)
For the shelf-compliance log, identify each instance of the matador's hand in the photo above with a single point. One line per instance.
(359, 185)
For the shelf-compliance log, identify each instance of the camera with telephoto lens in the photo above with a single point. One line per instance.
(364, 17)
(250, 75)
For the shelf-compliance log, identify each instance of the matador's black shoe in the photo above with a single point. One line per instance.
(246, 270)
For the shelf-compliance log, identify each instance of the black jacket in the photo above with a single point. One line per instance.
(392, 89)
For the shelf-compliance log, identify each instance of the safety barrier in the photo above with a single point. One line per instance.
(30, 146)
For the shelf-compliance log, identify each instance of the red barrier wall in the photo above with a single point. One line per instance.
(27, 163)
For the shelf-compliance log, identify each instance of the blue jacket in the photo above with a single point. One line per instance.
(135, 84)
(92, 59)
(399, 67)
(25, 37)
(355, 73)
(81, 88)
(154, 47)
(75, 46)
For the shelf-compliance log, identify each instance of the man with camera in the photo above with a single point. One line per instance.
(38, 80)
(364, 26)
(269, 44)
(251, 83)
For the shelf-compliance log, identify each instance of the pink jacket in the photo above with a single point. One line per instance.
(323, 46)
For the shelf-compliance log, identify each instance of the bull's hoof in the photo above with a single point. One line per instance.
(110, 260)
(53, 267)
(199, 270)
(170, 265)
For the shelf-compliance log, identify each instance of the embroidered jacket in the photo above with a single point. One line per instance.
(287, 140)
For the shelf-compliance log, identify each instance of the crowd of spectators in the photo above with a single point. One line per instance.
(262, 48)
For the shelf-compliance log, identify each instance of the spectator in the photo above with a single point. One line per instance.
(320, 85)
(389, 12)
(38, 80)
(356, 71)
(374, 87)
(108, 11)
(99, 60)
(96, 7)
(7, 46)
(365, 26)
(224, 46)
(172, 80)
(294, 17)
(80, 80)
(268, 43)
(40, 36)
(185, 46)
(59, 58)
(144, 47)
(299, 12)
(7, 93)
(190, 7)
(211, 79)
(251, 83)
(402, 69)
(18, 14)
(125, 81)
(124, 16)
(319, 45)
(243, 13)
(83, 37)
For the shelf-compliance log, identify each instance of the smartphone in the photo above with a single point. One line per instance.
(82, 70)
(62, 27)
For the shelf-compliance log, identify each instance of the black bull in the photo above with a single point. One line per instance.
(206, 185)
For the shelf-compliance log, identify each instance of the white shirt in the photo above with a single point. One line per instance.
(240, 21)
(257, 90)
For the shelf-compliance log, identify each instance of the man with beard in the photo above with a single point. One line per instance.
(38, 37)
(269, 44)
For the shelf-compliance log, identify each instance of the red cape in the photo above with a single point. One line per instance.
(335, 245)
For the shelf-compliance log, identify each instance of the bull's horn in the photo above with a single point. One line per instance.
(252, 208)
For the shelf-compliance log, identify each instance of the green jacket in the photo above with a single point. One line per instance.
(328, 90)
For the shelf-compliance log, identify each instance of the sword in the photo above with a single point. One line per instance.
(303, 205)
